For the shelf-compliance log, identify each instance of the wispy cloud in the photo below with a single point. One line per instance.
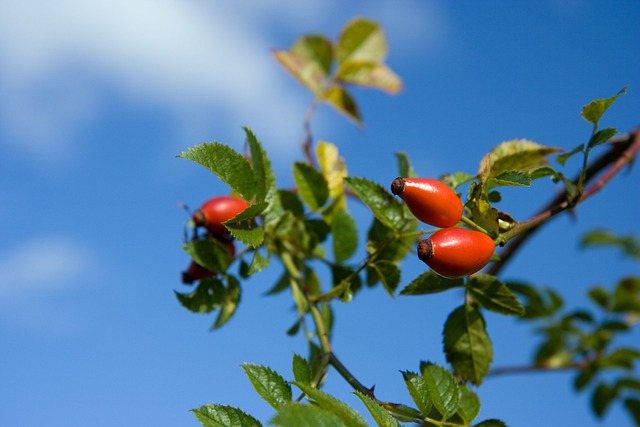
(200, 61)
(41, 266)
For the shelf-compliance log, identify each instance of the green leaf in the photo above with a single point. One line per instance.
(361, 40)
(316, 48)
(244, 226)
(443, 389)
(345, 413)
(626, 296)
(389, 275)
(302, 370)
(419, 392)
(208, 296)
(593, 111)
(455, 180)
(340, 99)
(291, 202)
(510, 178)
(312, 186)
(602, 397)
(482, 212)
(601, 296)
(345, 235)
(209, 253)
(334, 169)
(431, 283)
(404, 165)
(380, 415)
(630, 244)
(258, 263)
(381, 202)
(538, 303)
(229, 165)
(562, 158)
(370, 74)
(467, 345)
(224, 416)
(269, 384)
(494, 295)
(230, 302)
(517, 155)
(309, 60)
(298, 414)
(621, 357)
(633, 406)
(263, 175)
(601, 137)
(469, 404)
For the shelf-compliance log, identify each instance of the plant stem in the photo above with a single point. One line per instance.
(472, 224)
(307, 144)
(621, 153)
(523, 369)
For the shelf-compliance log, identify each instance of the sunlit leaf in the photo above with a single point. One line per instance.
(269, 384)
(443, 389)
(334, 170)
(309, 60)
(469, 404)
(419, 391)
(430, 283)
(361, 40)
(297, 415)
(344, 412)
(301, 370)
(370, 74)
(244, 226)
(229, 165)
(340, 99)
(380, 415)
(593, 111)
(517, 155)
(224, 416)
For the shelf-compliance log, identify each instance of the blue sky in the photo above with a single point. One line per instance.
(97, 98)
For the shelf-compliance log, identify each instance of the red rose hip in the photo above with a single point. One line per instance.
(195, 272)
(429, 200)
(217, 210)
(456, 252)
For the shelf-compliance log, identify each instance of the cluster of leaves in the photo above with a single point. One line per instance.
(310, 227)
(439, 399)
(326, 67)
(588, 340)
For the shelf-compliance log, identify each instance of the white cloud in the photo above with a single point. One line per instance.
(42, 266)
(207, 63)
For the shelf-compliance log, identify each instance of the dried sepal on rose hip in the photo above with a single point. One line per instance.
(217, 210)
(429, 200)
(456, 252)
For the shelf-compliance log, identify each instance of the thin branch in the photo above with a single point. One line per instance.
(524, 369)
(621, 153)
